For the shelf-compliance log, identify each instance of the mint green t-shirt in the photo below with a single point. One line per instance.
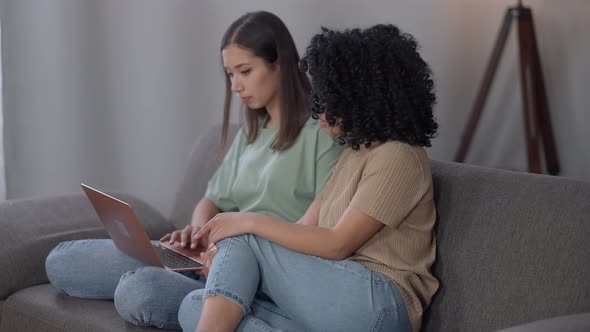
(279, 184)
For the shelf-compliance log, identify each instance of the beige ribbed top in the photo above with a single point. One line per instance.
(392, 183)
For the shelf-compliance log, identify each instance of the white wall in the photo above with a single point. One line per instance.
(114, 92)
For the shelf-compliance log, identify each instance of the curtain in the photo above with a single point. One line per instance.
(2, 173)
(114, 93)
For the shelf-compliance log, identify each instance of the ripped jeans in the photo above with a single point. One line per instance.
(309, 293)
(97, 269)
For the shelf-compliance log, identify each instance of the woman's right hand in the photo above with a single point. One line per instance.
(186, 237)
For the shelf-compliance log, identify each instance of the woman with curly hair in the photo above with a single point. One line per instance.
(281, 155)
(359, 259)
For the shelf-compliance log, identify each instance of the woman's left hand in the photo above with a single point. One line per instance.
(225, 225)
(207, 258)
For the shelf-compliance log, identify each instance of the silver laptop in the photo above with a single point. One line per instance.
(126, 231)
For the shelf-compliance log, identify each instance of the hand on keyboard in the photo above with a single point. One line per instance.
(185, 237)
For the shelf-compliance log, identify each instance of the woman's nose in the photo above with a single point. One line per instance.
(236, 85)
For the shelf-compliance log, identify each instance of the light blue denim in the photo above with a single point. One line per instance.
(96, 269)
(310, 293)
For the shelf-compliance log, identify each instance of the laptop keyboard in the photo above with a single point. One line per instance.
(174, 260)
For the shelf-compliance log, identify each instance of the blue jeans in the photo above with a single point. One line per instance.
(96, 269)
(310, 293)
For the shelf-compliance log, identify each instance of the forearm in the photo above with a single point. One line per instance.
(306, 239)
(203, 212)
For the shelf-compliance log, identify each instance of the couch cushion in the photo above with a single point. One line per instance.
(511, 248)
(570, 323)
(43, 308)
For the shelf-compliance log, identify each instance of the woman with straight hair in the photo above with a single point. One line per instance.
(360, 257)
(275, 166)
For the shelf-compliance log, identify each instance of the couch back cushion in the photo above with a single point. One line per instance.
(202, 162)
(511, 248)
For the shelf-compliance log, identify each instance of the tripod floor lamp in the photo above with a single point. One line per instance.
(537, 122)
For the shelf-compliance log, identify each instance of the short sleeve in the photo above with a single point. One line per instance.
(391, 186)
(219, 187)
(328, 152)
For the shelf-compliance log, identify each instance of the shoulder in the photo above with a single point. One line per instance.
(313, 133)
(311, 126)
(240, 136)
(397, 151)
(397, 158)
(241, 133)
(239, 140)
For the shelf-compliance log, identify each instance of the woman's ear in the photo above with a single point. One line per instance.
(275, 69)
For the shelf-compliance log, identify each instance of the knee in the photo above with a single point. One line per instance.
(189, 313)
(58, 265)
(151, 296)
(137, 295)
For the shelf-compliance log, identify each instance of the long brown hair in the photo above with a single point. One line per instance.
(267, 37)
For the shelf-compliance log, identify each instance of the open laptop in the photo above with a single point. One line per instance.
(124, 228)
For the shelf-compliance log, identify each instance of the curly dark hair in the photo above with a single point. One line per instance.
(376, 81)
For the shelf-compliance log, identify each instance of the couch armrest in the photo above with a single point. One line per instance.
(32, 227)
(569, 323)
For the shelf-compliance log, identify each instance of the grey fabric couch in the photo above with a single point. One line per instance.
(513, 249)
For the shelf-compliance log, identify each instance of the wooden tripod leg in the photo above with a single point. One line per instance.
(541, 104)
(484, 88)
(527, 85)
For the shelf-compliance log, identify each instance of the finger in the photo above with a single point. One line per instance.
(204, 242)
(194, 232)
(207, 262)
(203, 272)
(166, 237)
(184, 236)
(211, 253)
(213, 236)
(203, 231)
(211, 249)
(174, 237)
